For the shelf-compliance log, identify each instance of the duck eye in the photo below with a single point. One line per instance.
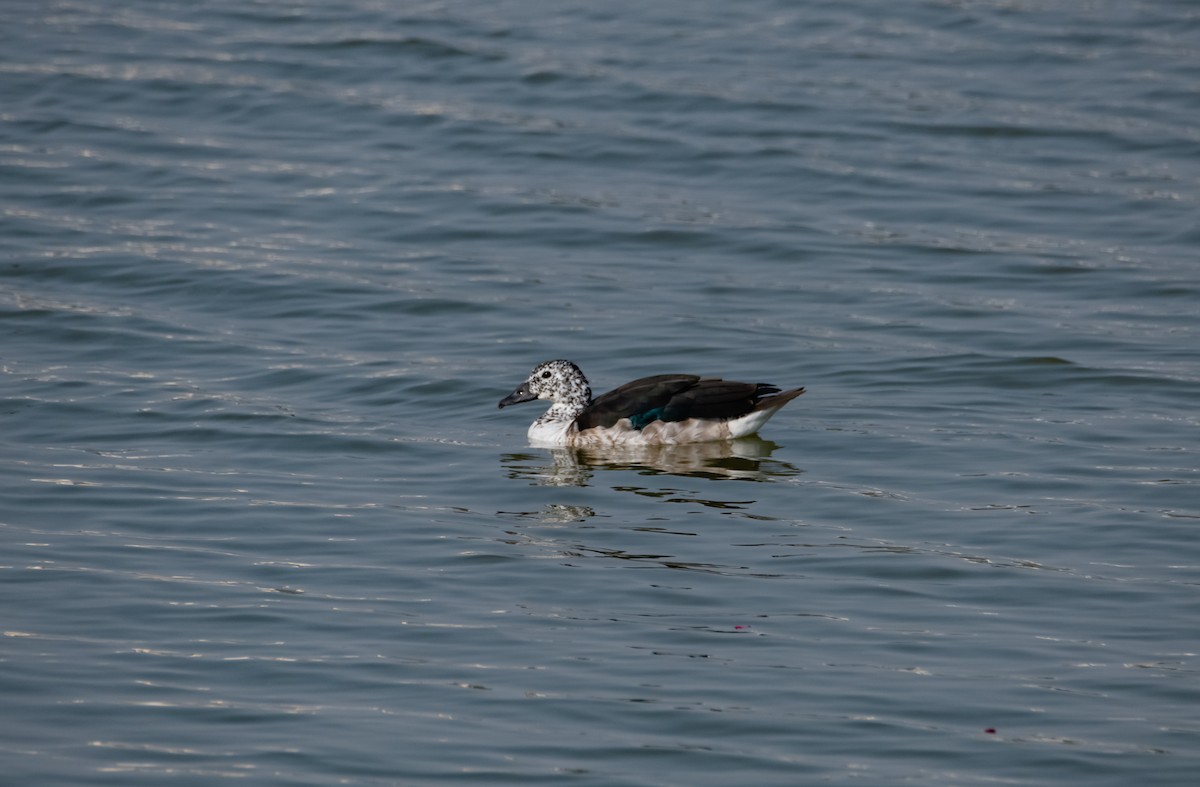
(545, 375)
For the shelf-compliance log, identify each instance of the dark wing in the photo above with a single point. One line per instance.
(674, 397)
(716, 399)
(635, 399)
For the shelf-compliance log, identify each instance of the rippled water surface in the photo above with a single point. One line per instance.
(266, 268)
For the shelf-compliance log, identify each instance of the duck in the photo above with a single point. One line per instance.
(663, 409)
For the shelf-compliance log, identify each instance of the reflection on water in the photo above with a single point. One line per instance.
(747, 459)
(569, 530)
(553, 514)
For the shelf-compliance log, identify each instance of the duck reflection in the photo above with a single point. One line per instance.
(747, 459)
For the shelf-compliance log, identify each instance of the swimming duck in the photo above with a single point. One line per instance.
(658, 410)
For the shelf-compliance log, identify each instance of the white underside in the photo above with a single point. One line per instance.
(693, 430)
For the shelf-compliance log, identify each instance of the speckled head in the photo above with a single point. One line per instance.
(559, 381)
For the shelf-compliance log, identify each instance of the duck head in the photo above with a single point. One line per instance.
(559, 381)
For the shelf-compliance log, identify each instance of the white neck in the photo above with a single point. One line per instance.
(550, 430)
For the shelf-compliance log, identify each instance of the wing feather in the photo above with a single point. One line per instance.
(675, 397)
(713, 398)
(634, 398)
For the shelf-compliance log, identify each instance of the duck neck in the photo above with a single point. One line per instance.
(563, 412)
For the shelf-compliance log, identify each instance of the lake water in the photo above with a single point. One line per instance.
(267, 267)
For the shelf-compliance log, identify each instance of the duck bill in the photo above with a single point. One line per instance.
(516, 397)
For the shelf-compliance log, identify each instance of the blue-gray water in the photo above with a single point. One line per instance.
(267, 267)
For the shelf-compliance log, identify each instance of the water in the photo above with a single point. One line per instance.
(268, 267)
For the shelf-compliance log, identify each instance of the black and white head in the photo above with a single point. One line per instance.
(559, 381)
